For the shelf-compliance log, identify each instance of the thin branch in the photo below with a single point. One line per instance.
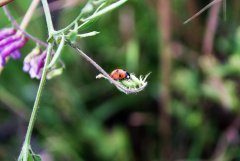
(4, 2)
(28, 16)
(17, 26)
(48, 17)
(101, 70)
(202, 10)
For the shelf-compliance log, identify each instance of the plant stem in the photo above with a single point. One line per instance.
(17, 26)
(202, 10)
(101, 70)
(39, 93)
(48, 17)
(92, 17)
(26, 145)
(27, 140)
(4, 2)
(29, 14)
(68, 26)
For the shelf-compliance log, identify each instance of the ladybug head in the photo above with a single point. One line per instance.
(127, 75)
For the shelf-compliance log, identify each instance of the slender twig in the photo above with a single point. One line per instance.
(29, 14)
(101, 70)
(17, 26)
(69, 26)
(4, 2)
(202, 10)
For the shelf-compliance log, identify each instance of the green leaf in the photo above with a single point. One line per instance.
(105, 10)
(33, 157)
(93, 33)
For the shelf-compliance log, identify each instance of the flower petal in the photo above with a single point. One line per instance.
(34, 62)
(9, 40)
(8, 50)
(41, 62)
(6, 32)
(26, 67)
(16, 54)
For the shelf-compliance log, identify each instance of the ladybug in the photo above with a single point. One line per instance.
(119, 74)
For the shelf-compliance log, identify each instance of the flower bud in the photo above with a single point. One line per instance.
(34, 62)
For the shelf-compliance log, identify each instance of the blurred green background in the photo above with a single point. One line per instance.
(189, 110)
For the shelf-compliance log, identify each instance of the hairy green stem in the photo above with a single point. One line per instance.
(69, 26)
(39, 93)
(48, 16)
(26, 145)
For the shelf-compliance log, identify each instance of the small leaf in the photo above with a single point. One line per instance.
(105, 10)
(90, 6)
(33, 157)
(93, 33)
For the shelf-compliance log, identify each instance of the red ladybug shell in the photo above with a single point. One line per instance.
(119, 74)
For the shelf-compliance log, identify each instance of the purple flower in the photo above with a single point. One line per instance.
(34, 62)
(10, 43)
(6, 32)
